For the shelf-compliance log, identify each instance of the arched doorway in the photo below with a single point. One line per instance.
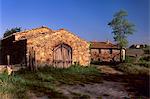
(62, 56)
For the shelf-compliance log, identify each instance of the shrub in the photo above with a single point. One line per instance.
(145, 58)
(144, 64)
(130, 59)
(130, 68)
(147, 50)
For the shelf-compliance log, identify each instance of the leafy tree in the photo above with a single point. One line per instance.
(121, 28)
(11, 31)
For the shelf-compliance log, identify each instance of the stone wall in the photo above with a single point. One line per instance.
(105, 55)
(44, 45)
(43, 40)
(32, 33)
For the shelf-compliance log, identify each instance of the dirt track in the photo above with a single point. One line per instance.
(115, 85)
(105, 90)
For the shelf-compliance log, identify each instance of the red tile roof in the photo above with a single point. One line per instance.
(103, 45)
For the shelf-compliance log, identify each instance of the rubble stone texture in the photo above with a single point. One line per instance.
(105, 52)
(105, 55)
(43, 40)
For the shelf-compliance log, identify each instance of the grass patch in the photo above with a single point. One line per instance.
(12, 85)
(45, 80)
(144, 64)
(72, 75)
(130, 59)
(130, 68)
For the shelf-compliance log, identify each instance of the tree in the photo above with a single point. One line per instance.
(11, 31)
(121, 28)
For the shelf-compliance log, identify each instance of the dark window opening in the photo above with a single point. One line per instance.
(110, 51)
(99, 51)
(99, 59)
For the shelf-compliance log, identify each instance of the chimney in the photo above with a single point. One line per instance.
(107, 41)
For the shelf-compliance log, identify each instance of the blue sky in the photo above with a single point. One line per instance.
(85, 18)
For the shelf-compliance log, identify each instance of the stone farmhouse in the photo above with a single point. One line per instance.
(43, 46)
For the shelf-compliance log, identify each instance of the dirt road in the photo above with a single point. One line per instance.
(115, 85)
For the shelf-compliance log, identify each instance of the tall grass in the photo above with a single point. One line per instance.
(45, 80)
(74, 69)
(12, 85)
(130, 68)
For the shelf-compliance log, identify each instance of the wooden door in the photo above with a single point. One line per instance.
(62, 56)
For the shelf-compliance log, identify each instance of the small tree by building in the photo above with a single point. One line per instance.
(11, 31)
(121, 28)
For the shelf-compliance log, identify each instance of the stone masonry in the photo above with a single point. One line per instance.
(43, 41)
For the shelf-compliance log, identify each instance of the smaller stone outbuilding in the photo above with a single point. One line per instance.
(105, 52)
(43, 46)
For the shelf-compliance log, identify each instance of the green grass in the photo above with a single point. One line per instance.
(144, 61)
(130, 59)
(46, 80)
(144, 64)
(130, 68)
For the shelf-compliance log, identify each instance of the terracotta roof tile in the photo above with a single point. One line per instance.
(103, 45)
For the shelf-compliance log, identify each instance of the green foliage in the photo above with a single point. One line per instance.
(144, 61)
(147, 50)
(130, 68)
(11, 31)
(130, 59)
(145, 58)
(121, 28)
(74, 69)
(45, 80)
(144, 64)
(12, 85)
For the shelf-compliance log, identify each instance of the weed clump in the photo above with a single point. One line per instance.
(130, 68)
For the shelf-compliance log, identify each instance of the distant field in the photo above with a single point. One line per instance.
(134, 52)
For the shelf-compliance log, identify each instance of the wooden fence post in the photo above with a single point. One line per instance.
(32, 63)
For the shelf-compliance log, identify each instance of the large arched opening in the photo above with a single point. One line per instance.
(62, 56)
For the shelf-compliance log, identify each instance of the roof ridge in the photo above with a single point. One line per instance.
(33, 29)
(26, 31)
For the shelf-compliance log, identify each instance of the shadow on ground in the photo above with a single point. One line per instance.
(137, 84)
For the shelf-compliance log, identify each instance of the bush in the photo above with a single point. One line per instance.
(129, 59)
(130, 68)
(147, 50)
(144, 61)
(144, 64)
(146, 58)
